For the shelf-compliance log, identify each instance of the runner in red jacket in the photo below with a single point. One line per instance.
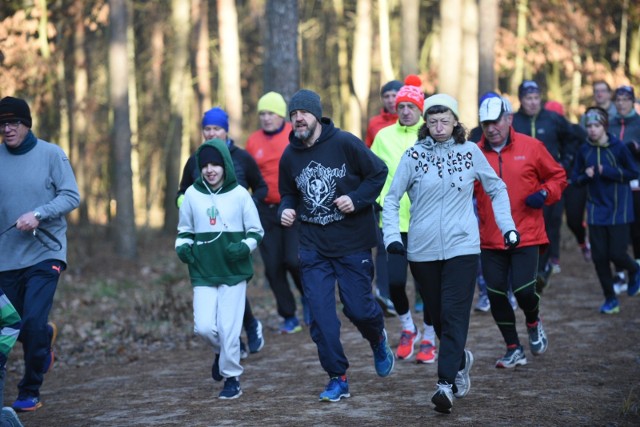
(534, 179)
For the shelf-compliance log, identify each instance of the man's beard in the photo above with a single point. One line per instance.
(304, 135)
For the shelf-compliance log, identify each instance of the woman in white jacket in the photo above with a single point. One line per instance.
(443, 247)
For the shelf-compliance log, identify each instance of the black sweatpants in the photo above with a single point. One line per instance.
(448, 290)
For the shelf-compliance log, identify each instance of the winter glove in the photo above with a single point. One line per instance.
(536, 200)
(511, 239)
(185, 254)
(237, 251)
(179, 200)
(396, 248)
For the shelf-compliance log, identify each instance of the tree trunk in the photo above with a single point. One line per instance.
(125, 227)
(361, 68)
(230, 66)
(451, 36)
(386, 66)
(178, 103)
(281, 64)
(624, 25)
(490, 10)
(468, 86)
(200, 19)
(410, 44)
(80, 109)
(340, 111)
(521, 34)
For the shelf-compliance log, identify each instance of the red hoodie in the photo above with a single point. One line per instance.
(378, 122)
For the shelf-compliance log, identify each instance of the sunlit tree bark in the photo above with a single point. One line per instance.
(451, 36)
(230, 65)
(410, 44)
(489, 13)
(178, 99)
(125, 228)
(361, 67)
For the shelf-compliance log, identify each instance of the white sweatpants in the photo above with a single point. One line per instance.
(217, 317)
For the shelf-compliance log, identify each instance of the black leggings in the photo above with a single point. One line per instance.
(517, 267)
(609, 244)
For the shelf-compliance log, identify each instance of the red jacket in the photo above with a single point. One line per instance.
(266, 150)
(526, 166)
(378, 122)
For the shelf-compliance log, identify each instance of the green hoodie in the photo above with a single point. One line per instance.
(211, 220)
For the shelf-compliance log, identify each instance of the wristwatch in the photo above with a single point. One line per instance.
(544, 193)
(37, 215)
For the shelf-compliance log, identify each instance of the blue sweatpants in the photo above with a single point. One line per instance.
(31, 291)
(354, 274)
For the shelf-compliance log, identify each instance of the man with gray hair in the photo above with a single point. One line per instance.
(329, 180)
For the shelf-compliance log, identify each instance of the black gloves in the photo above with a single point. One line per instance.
(536, 200)
(396, 248)
(511, 239)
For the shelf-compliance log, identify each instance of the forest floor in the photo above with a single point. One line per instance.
(126, 356)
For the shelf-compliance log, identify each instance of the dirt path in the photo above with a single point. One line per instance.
(589, 376)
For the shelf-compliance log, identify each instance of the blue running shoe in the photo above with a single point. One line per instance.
(337, 388)
(291, 325)
(26, 404)
(610, 306)
(231, 389)
(633, 288)
(255, 337)
(383, 358)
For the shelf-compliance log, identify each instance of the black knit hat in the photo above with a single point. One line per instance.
(14, 109)
(394, 85)
(306, 100)
(209, 155)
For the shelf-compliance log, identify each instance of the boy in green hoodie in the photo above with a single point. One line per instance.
(218, 229)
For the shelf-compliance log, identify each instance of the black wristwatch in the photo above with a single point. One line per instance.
(37, 215)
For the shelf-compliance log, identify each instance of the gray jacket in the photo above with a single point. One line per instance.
(439, 178)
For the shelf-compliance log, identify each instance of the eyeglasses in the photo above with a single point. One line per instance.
(12, 125)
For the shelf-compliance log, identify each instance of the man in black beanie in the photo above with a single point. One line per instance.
(388, 115)
(329, 180)
(39, 190)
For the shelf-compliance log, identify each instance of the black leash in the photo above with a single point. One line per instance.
(36, 233)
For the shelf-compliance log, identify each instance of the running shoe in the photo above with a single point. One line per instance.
(407, 341)
(337, 388)
(514, 357)
(428, 352)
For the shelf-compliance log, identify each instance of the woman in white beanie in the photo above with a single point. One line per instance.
(443, 247)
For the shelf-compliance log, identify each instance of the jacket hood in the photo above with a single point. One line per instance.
(429, 143)
(328, 131)
(230, 181)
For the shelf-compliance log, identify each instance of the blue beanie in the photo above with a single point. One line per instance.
(216, 117)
